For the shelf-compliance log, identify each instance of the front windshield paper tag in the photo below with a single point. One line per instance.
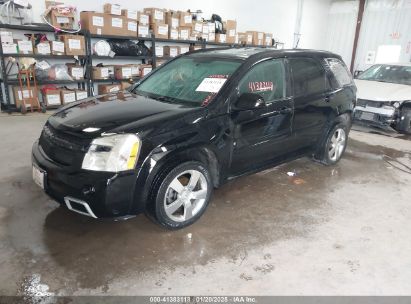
(212, 85)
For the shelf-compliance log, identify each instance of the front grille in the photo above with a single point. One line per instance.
(62, 147)
(370, 103)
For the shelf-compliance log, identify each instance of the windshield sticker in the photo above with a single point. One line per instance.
(260, 86)
(211, 85)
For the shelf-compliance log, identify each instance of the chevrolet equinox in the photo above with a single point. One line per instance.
(191, 125)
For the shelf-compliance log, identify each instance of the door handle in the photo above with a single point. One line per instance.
(327, 97)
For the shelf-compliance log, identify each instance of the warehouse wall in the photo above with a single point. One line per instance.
(273, 16)
(385, 22)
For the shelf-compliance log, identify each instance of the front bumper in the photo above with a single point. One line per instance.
(375, 116)
(106, 194)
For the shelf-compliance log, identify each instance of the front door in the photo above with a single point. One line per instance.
(261, 135)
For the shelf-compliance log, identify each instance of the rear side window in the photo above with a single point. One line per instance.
(308, 76)
(340, 72)
(266, 79)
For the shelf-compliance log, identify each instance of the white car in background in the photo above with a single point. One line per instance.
(384, 96)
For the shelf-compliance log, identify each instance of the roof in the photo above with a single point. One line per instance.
(244, 53)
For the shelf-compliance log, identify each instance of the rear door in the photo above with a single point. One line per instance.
(262, 134)
(311, 96)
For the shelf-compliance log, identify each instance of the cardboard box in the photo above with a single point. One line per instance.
(122, 72)
(112, 9)
(61, 19)
(145, 69)
(25, 46)
(173, 19)
(143, 31)
(57, 48)
(198, 27)
(75, 71)
(52, 98)
(125, 85)
(43, 48)
(211, 37)
(160, 62)
(74, 44)
(129, 14)
(159, 51)
(171, 51)
(194, 47)
(184, 32)
(131, 28)
(268, 39)
(81, 94)
(9, 48)
(67, 96)
(186, 19)
(108, 88)
(115, 25)
(156, 15)
(221, 38)
(101, 72)
(23, 95)
(160, 30)
(242, 37)
(94, 22)
(257, 37)
(211, 27)
(184, 49)
(143, 19)
(231, 28)
(173, 34)
(6, 37)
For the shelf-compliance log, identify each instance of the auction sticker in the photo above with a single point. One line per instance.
(212, 85)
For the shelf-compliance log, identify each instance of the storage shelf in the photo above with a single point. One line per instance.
(116, 80)
(121, 57)
(95, 36)
(42, 82)
(41, 56)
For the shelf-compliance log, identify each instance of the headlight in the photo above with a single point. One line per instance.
(112, 153)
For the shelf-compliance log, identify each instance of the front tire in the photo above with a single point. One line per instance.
(183, 195)
(404, 125)
(334, 145)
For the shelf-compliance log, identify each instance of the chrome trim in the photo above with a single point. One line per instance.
(381, 111)
(89, 212)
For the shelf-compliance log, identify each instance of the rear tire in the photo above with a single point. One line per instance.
(182, 195)
(333, 145)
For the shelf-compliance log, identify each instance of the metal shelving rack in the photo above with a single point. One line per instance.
(86, 60)
(7, 82)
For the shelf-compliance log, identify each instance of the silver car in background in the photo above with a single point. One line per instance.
(384, 96)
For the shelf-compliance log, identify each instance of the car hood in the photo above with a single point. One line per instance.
(123, 112)
(382, 91)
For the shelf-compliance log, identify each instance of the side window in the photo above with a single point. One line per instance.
(340, 72)
(308, 75)
(266, 79)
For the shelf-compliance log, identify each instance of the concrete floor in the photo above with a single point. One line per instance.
(342, 230)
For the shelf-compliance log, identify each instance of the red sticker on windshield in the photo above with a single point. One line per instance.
(208, 99)
(218, 76)
(260, 86)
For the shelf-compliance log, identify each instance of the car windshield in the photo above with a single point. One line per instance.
(388, 73)
(188, 80)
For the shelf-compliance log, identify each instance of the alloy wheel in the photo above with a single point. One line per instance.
(337, 144)
(185, 195)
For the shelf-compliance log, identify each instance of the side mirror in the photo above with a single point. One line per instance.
(357, 72)
(249, 101)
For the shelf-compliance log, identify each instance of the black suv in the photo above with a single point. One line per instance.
(193, 124)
